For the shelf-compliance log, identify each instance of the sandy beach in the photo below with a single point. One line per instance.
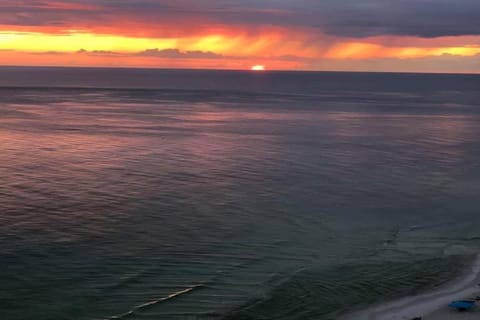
(446, 313)
(431, 305)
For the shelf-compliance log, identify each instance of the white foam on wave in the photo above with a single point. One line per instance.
(411, 307)
(153, 302)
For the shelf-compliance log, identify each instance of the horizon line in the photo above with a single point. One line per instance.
(238, 70)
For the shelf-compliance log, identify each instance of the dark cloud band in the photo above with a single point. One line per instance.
(347, 18)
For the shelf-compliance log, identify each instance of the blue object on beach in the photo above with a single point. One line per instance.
(462, 304)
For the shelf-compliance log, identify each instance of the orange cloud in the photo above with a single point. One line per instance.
(111, 59)
(268, 42)
(212, 46)
(358, 50)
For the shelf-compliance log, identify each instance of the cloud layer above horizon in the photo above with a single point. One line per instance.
(421, 35)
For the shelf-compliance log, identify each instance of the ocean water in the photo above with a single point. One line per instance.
(163, 194)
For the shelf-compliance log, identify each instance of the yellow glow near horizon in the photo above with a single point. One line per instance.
(239, 45)
(70, 42)
(237, 49)
(358, 50)
(211, 41)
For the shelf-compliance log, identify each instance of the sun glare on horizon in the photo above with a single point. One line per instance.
(258, 67)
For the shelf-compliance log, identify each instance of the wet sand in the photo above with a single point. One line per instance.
(446, 313)
(432, 305)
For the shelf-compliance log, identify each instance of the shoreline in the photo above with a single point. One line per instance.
(430, 305)
(447, 313)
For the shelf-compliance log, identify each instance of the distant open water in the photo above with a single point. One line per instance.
(161, 194)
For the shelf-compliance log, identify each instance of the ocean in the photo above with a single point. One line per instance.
(234, 195)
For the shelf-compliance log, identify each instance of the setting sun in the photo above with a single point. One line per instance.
(258, 67)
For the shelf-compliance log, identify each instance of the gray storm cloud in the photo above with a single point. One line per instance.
(347, 18)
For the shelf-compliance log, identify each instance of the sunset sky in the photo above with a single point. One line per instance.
(357, 35)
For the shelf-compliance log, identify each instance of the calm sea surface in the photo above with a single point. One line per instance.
(160, 194)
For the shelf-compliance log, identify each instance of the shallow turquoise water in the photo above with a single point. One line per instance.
(259, 199)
